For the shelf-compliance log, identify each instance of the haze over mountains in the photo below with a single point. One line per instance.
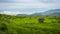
(53, 12)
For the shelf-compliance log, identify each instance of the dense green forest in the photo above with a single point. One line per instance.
(29, 24)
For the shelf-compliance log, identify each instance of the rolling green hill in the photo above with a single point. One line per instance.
(29, 24)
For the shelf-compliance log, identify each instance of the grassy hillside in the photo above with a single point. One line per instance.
(29, 25)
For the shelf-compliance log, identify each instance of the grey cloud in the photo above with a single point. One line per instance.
(49, 1)
(6, 1)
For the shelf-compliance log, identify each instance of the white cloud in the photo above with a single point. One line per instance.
(15, 12)
(24, 1)
(27, 5)
(9, 12)
(23, 4)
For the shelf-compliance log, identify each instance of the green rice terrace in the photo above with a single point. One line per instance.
(29, 24)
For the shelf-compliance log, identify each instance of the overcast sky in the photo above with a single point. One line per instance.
(27, 6)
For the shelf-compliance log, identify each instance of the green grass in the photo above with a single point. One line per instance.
(29, 25)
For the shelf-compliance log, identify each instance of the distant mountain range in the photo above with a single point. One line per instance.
(53, 12)
(22, 15)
